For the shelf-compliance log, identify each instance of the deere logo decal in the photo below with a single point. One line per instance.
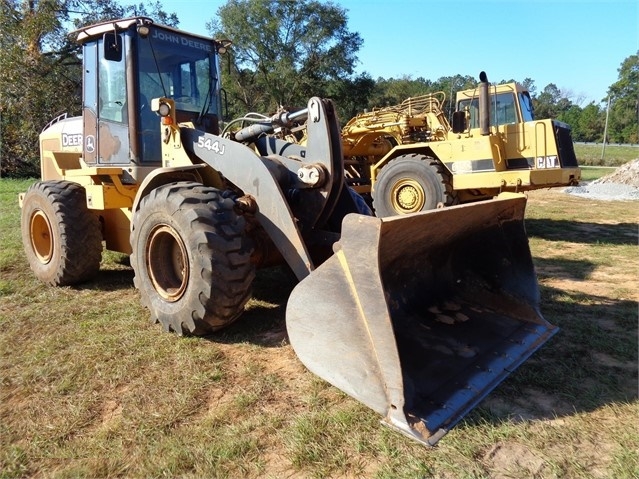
(72, 140)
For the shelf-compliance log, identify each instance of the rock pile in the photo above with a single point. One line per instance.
(621, 184)
(626, 174)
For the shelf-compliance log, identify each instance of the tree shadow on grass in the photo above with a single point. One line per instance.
(562, 268)
(582, 232)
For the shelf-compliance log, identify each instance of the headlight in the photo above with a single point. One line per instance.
(164, 109)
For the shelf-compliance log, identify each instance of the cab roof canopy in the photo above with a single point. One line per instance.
(98, 29)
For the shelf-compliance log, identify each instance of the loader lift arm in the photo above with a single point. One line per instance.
(296, 195)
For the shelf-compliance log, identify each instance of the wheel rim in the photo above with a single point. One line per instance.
(167, 262)
(407, 196)
(41, 236)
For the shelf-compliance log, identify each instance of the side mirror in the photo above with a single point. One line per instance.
(112, 47)
(460, 124)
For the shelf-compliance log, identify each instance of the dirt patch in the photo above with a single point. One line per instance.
(508, 460)
(275, 372)
(278, 465)
(111, 411)
(219, 399)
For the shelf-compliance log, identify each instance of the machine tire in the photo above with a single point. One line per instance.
(412, 183)
(191, 257)
(62, 239)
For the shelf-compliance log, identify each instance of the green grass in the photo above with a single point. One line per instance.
(589, 173)
(90, 388)
(613, 155)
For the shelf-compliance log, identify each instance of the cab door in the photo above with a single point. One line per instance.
(106, 131)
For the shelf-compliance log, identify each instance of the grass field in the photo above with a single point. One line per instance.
(593, 154)
(90, 388)
(589, 173)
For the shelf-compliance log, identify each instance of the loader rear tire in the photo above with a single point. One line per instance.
(61, 237)
(411, 183)
(191, 257)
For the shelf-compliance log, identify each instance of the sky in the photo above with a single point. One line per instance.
(577, 45)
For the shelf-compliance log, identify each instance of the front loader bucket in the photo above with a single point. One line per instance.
(421, 316)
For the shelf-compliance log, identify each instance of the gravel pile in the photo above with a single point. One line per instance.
(627, 174)
(622, 184)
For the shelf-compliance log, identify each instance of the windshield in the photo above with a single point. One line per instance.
(180, 67)
(503, 110)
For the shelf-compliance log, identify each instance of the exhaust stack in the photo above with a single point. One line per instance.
(484, 104)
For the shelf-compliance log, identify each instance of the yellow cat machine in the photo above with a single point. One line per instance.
(417, 316)
(411, 159)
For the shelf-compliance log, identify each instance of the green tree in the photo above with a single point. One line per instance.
(551, 103)
(87, 12)
(41, 69)
(36, 79)
(591, 123)
(283, 52)
(623, 125)
(545, 103)
(393, 91)
(351, 95)
(529, 84)
(572, 117)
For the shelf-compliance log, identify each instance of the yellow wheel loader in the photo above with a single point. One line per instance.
(409, 158)
(417, 316)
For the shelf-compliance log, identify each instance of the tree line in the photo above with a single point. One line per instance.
(283, 53)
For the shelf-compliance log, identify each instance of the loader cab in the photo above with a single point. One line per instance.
(129, 62)
(509, 104)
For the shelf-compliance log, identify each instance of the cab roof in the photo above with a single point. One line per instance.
(98, 29)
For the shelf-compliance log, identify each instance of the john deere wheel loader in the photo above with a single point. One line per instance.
(418, 316)
(410, 158)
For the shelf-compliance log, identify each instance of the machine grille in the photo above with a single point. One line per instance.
(564, 145)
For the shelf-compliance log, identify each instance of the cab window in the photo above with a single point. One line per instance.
(504, 109)
(526, 107)
(502, 105)
(112, 88)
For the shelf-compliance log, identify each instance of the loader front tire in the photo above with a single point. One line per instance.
(411, 183)
(61, 237)
(192, 258)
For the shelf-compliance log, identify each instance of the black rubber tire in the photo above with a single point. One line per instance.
(412, 183)
(191, 257)
(62, 239)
